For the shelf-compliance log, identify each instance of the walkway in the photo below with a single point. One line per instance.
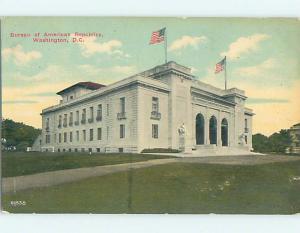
(14, 184)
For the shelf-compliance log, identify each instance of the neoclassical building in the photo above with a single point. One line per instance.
(163, 107)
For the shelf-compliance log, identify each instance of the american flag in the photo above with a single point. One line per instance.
(158, 36)
(220, 65)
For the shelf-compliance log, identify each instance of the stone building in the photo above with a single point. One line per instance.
(163, 107)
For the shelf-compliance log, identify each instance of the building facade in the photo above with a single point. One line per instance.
(163, 107)
(294, 132)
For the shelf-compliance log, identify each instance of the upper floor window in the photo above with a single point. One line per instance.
(91, 119)
(77, 118)
(122, 104)
(65, 120)
(71, 119)
(155, 104)
(71, 136)
(59, 121)
(47, 123)
(99, 112)
(83, 117)
(65, 137)
(121, 114)
(155, 114)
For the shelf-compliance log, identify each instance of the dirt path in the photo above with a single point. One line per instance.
(13, 184)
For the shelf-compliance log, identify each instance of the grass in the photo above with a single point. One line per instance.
(173, 188)
(21, 163)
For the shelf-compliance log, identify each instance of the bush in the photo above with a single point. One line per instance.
(160, 150)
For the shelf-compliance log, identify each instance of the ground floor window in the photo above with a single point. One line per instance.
(65, 137)
(71, 136)
(121, 150)
(91, 134)
(76, 150)
(98, 149)
(59, 138)
(122, 131)
(77, 135)
(99, 136)
(90, 150)
(84, 135)
(70, 150)
(82, 149)
(154, 131)
(58, 150)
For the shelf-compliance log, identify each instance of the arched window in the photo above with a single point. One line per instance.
(224, 132)
(213, 130)
(199, 129)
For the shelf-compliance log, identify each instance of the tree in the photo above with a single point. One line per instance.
(277, 142)
(17, 133)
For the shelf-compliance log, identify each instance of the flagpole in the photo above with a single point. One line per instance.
(225, 73)
(166, 47)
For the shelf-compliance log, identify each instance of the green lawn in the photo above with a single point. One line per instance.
(20, 163)
(173, 188)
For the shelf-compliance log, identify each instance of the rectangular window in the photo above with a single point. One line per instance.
(84, 135)
(71, 119)
(47, 124)
(99, 137)
(107, 110)
(71, 136)
(107, 132)
(155, 104)
(122, 131)
(55, 139)
(77, 116)
(122, 104)
(83, 117)
(91, 134)
(82, 149)
(65, 120)
(76, 150)
(99, 112)
(65, 137)
(98, 150)
(59, 121)
(91, 112)
(59, 137)
(77, 135)
(154, 131)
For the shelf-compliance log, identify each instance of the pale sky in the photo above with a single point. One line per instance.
(263, 59)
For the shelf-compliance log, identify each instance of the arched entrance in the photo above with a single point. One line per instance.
(224, 132)
(213, 130)
(199, 129)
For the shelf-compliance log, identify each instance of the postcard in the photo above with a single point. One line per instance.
(150, 115)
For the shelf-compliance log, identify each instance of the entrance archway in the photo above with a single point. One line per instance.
(224, 132)
(199, 129)
(213, 130)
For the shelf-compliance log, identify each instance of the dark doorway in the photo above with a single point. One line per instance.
(224, 132)
(213, 130)
(199, 129)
